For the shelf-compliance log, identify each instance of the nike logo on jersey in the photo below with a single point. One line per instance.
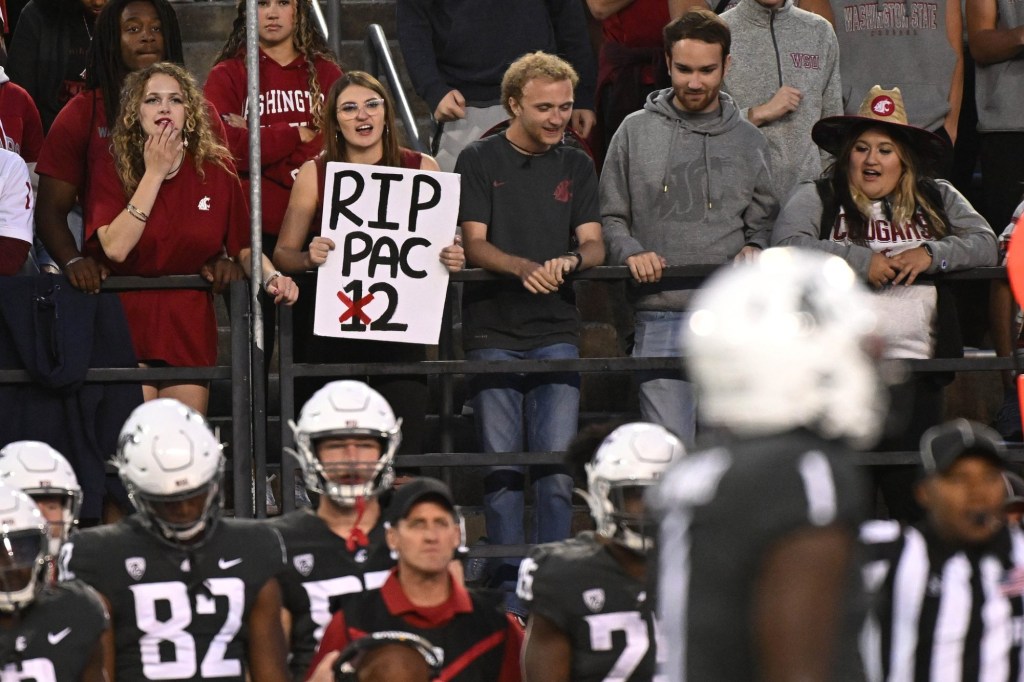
(225, 564)
(56, 637)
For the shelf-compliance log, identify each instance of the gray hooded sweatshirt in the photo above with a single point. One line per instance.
(693, 188)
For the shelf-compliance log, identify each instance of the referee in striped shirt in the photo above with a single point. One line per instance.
(948, 591)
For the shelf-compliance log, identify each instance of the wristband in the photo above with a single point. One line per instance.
(928, 249)
(579, 260)
(72, 261)
(271, 277)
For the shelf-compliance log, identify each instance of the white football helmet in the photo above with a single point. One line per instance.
(340, 409)
(40, 471)
(23, 532)
(632, 458)
(166, 454)
(786, 342)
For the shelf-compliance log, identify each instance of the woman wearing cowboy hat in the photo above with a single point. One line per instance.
(880, 208)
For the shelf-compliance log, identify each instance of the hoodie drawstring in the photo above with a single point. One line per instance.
(668, 159)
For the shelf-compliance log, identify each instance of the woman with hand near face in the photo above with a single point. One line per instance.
(172, 204)
(881, 210)
(129, 35)
(359, 127)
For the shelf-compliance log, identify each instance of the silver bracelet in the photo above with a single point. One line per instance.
(72, 261)
(271, 277)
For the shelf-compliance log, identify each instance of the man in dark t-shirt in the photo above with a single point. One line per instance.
(528, 211)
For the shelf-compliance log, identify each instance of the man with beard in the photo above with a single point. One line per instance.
(686, 181)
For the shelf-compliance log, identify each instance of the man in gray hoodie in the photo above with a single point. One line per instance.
(686, 181)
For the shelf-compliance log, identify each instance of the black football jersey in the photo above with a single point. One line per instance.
(724, 510)
(320, 568)
(606, 614)
(178, 614)
(53, 639)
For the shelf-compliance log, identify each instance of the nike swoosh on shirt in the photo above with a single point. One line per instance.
(225, 564)
(55, 637)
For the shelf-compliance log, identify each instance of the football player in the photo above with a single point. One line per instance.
(192, 596)
(43, 474)
(48, 633)
(590, 615)
(347, 437)
(757, 568)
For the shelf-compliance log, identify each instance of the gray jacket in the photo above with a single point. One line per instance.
(970, 244)
(694, 188)
(786, 46)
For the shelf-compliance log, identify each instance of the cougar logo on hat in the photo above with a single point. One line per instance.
(883, 108)
(883, 105)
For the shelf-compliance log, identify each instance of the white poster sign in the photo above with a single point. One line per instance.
(383, 280)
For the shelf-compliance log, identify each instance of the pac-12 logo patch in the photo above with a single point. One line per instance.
(594, 599)
(136, 567)
(303, 563)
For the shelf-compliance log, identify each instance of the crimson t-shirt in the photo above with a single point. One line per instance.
(192, 220)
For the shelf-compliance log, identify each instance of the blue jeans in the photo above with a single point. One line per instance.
(664, 399)
(526, 413)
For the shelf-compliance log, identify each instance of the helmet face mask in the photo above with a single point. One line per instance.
(45, 475)
(346, 411)
(183, 517)
(631, 459)
(172, 464)
(23, 549)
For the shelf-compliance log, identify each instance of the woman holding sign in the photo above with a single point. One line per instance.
(172, 204)
(359, 127)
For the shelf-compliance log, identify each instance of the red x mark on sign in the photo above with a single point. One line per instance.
(355, 309)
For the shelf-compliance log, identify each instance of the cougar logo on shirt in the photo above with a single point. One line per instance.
(204, 204)
(563, 192)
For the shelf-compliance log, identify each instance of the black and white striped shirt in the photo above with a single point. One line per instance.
(942, 614)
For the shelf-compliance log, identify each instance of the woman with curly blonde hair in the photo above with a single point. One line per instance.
(172, 204)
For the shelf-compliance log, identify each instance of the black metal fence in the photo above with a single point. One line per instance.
(248, 439)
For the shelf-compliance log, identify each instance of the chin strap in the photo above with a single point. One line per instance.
(356, 537)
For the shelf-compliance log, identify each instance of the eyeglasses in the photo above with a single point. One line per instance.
(350, 110)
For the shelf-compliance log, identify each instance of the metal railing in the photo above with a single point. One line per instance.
(248, 437)
(238, 372)
(446, 368)
(379, 62)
